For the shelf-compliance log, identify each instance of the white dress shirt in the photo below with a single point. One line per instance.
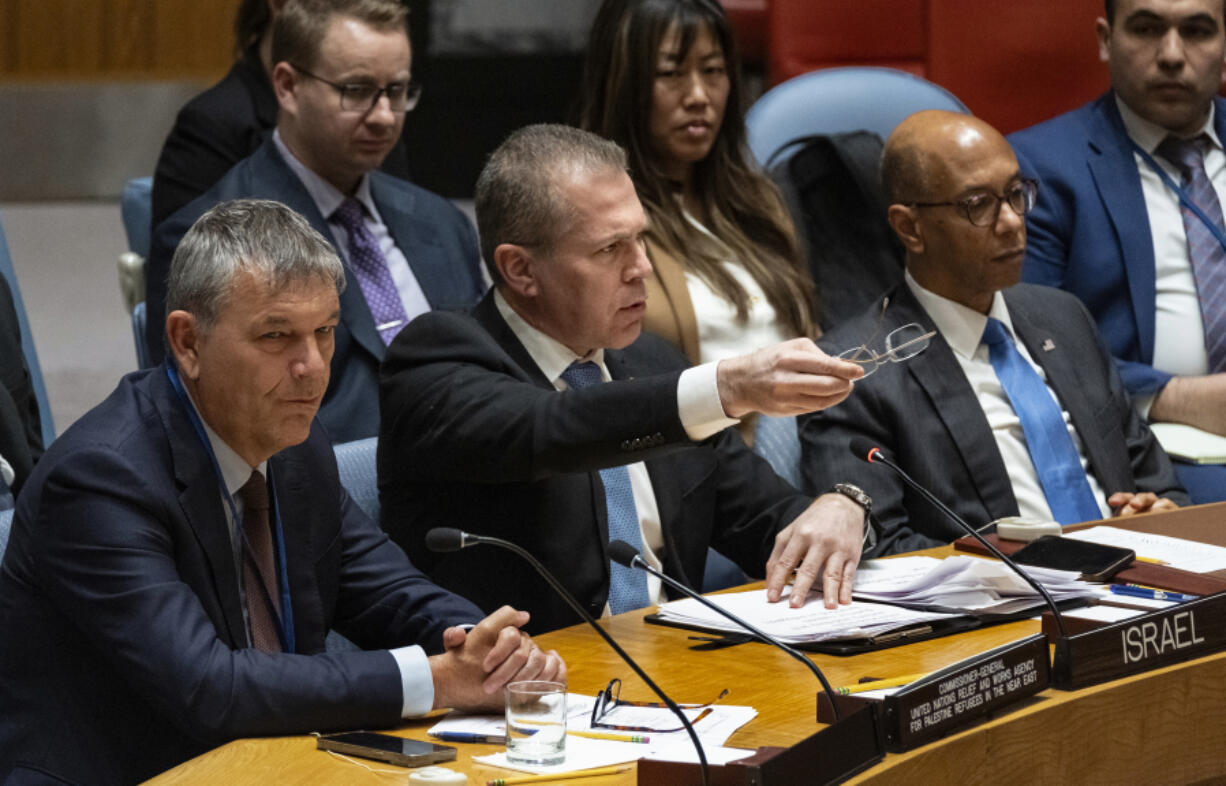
(962, 328)
(1177, 318)
(416, 679)
(328, 198)
(698, 404)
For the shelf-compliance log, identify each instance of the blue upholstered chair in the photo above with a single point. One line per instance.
(136, 207)
(6, 525)
(27, 342)
(355, 462)
(837, 100)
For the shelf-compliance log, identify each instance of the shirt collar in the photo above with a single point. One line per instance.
(961, 327)
(235, 471)
(550, 355)
(1148, 135)
(326, 196)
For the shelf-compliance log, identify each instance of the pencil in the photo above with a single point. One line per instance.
(1150, 560)
(561, 776)
(601, 735)
(891, 682)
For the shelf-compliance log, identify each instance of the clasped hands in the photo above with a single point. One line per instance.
(477, 664)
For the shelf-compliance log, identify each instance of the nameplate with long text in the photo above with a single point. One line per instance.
(1138, 644)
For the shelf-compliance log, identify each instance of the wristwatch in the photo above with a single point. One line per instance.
(858, 496)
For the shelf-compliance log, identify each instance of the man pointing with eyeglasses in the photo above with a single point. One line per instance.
(1015, 406)
(342, 76)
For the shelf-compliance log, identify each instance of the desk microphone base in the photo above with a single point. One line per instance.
(832, 755)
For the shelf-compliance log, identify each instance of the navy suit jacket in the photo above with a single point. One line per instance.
(474, 436)
(122, 641)
(21, 436)
(1089, 231)
(926, 417)
(437, 240)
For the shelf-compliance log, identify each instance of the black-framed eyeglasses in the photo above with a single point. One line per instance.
(901, 344)
(610, 698)
(982, 208)
(362, 96)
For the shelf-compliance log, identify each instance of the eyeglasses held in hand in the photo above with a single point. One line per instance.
(362, 96)
(982, 208)
(901, 344)
(610, 698)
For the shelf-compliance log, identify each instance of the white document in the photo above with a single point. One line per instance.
(809, 623)
(963, 584)
(1176, 552)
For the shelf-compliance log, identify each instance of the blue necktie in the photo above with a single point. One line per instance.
(627, 586)
(1051, 448)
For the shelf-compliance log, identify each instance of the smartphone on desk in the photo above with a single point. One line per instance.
(386, 747)
(1095, 561)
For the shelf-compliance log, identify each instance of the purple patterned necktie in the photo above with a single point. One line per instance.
(259, 569)
(1205, 252)
(371, 267)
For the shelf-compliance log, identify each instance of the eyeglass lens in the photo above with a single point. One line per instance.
(901, 344)
(983, 209)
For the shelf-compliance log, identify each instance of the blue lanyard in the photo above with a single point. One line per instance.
(1184, 199)
(285, 620)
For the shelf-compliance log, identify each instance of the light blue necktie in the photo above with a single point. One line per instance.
(627, 586)
(1051, 448)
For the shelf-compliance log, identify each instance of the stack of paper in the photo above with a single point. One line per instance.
(812, 622)
(1175, 552)
(1190, 443)
(962, 584)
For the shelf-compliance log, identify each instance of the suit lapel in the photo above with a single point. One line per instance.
(1114, 171)
(201, 505)
(416, 239)
(940, 376)
(296, 505)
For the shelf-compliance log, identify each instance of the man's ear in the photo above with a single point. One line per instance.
(284, 84)
(183, 337)
(903, 220)
(1102, 29)
(518, 269)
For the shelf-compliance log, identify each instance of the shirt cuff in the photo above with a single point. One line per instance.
(702, 413)
(1143, 403)
(416, 681)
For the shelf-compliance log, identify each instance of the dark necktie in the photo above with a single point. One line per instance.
(627, 586)
(1204, 250)
(259, 569)
(374, 278)
(1047, 439)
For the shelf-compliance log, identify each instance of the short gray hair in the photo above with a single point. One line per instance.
(517, 199)
(256, 236)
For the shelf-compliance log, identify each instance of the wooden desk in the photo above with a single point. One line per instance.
(1166, 726)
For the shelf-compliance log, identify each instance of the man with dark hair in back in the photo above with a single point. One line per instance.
(342, 76)
(1129, 214)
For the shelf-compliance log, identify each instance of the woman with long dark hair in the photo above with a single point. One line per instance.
(662, 79)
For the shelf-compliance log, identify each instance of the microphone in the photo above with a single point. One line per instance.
(623, 553)
(448, 539)
(864, 448)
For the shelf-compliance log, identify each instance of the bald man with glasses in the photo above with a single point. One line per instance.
(1015, 406)
(343, 81)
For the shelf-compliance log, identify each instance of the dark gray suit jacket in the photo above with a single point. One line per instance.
(474, 436)
(21, 438)
(925, 416)
(437, 240)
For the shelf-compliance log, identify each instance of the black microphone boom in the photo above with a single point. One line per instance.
(447, 539)
(865, 449)
(623, 553)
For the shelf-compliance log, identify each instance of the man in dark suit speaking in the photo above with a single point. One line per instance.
(544, 417)
(180, 553)
(342, 77)
(1016, 406)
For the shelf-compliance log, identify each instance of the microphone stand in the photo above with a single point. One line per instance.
(624, 554)
(444, 539)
